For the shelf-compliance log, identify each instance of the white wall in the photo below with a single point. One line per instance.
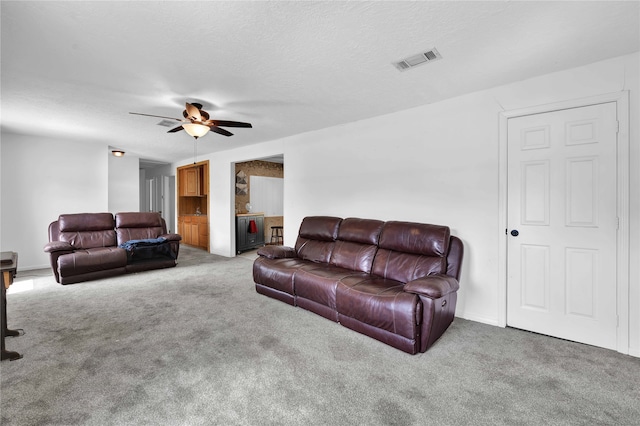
(42, 178)
(437, 163)
(124, 191)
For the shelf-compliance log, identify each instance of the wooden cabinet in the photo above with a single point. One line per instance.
(192, 182)
(193, 204)
(245, 238)
(194, 230)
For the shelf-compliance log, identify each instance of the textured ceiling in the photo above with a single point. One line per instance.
(75, 70)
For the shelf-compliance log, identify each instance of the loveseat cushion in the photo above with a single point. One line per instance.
(87, 230)
(92, 260)
(139, 220)
(138, 226)
(381, 303)
(84, 222)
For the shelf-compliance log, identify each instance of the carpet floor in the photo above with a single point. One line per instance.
(196, 345)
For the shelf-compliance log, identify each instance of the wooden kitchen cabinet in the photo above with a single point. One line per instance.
(193, 204)
(192, 182)
(194, 230)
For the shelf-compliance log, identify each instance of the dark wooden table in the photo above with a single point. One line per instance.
(9, 268)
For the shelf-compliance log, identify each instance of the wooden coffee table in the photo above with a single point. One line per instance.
(8, 267)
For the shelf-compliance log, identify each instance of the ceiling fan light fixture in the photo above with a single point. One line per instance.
(195, 130)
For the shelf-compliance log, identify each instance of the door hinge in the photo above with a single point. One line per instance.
(618, 223)
(617, 127)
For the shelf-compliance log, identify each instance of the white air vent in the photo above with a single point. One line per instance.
(419, 59)
(167, 123)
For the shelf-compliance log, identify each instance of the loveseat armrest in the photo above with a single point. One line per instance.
(171, 237)
(433, 286)
(277, 252)
(54, 246)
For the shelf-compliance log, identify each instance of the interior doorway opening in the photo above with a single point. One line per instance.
(262, 202)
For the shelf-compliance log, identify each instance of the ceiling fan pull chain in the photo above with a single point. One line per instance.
(195, 141)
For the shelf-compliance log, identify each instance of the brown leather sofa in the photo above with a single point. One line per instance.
(394, 281)
(87, 246)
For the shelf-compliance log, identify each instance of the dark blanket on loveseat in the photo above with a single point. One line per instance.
(394, 281)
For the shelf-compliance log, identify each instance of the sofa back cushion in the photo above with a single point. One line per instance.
(407, 251)
(139, 226)
(356, 244)
(316, 238)
(87, 230)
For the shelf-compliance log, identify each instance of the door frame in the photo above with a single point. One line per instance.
(623, 181)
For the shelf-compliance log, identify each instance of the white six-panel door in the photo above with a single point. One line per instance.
(562, 224)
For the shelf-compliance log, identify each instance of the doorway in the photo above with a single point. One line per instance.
(253, 197)
(565, 198)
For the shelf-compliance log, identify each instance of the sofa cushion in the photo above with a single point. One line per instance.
(406, 267)
(357, 244)
(365, 231)
(318, 282)
(381, 303)
(321, 228)
(416, 238)
(408, 251)
(93, 260)
(316, 238)
(277, 273)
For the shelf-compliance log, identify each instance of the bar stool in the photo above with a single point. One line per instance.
(276, 235)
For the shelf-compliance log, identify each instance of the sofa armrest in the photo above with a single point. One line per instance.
(433, 286)
(277, 252)
(58, 246)
(171, 237)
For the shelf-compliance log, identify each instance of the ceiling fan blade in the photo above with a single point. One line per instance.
(176, 129)
(221, 131)
(193, 112)
(157, 116)
(225, 123)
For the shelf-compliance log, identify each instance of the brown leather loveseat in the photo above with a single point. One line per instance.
(394, 281)
(88, 246)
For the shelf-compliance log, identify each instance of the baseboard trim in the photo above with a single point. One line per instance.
(479, 318)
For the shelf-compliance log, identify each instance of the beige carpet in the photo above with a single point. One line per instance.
(196, 345)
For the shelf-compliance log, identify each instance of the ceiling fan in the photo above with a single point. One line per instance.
(197, 123)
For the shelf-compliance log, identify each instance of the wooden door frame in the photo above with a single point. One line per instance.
(623, 181)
